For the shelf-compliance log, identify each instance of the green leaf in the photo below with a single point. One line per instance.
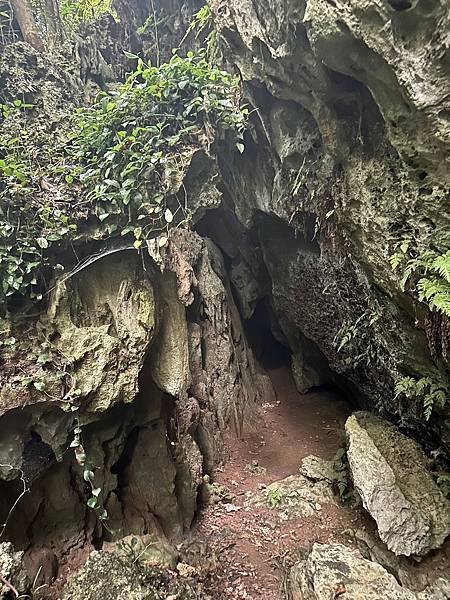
(103, 514)
(168, 216)
(88, 475)
(92, 502)
(42, 242)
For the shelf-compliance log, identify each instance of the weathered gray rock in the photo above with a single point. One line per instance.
(335, 571)
(170, 353)
(106, 576)
(225, 378)
(391, 474)
(215, 493)
(318, 469)
(352, 134)
(104, 319)
(295, 496)
(12, 571)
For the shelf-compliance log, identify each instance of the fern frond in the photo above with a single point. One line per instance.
(427, 407)
(441, 265)
(436, 292)
(433, 392)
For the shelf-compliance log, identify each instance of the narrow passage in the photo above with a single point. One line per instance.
(254, 545)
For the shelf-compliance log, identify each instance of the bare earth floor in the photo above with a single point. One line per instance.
(250, 549)
(239, 551)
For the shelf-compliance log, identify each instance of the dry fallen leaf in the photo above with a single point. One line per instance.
(340, 589)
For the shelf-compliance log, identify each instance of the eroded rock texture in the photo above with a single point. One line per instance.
(155, 366)
(391, 474)
(334, 569)
(348, 155)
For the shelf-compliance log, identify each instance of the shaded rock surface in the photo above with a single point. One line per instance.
(12, 571)
(295, 496)
(105, 576)
(331, 571)
(335, 174)
(318, 469)
(391, 474)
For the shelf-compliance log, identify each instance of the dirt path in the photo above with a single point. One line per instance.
(254, 544)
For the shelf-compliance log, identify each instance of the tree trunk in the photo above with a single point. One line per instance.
(53, 21)
(25, 19)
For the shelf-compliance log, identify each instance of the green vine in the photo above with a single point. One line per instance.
(119, 167)
(94, 501)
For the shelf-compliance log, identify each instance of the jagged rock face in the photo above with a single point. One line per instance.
(161, 366)
(334, 570)
(391, 474)
(11, 571)
(106, 575)
(347, 156)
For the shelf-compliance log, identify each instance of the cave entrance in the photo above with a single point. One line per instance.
(259, 330)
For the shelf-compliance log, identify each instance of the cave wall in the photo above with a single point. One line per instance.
(346, 153)
(346, 156)
(155, 368)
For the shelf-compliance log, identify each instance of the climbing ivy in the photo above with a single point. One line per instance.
(121, 164)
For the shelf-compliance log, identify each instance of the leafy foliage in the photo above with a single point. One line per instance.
(433, 270)
(33, 213)
(342, 480)
(131, 149)
(443, 481)
(274, 497)
(431, 392)
(122, 164)
(349, 332)
(93, 501)
(76, 12)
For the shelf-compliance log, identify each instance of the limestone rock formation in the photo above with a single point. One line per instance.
(12, 572)
(344, 160)
(391, 474)
(106, 575)
(151, 385)
(333, 570)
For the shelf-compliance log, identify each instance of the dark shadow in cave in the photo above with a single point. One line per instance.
(271, 353)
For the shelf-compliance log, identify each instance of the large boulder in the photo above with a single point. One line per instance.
(335, 571)
(391, 474)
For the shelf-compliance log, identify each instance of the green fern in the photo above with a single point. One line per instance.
(443, 481)
(436, 292)
(441, 265)
(435, 289)
(432, 393)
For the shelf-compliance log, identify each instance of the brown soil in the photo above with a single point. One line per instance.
(247, 553)
(255, 546)
(235, 551)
